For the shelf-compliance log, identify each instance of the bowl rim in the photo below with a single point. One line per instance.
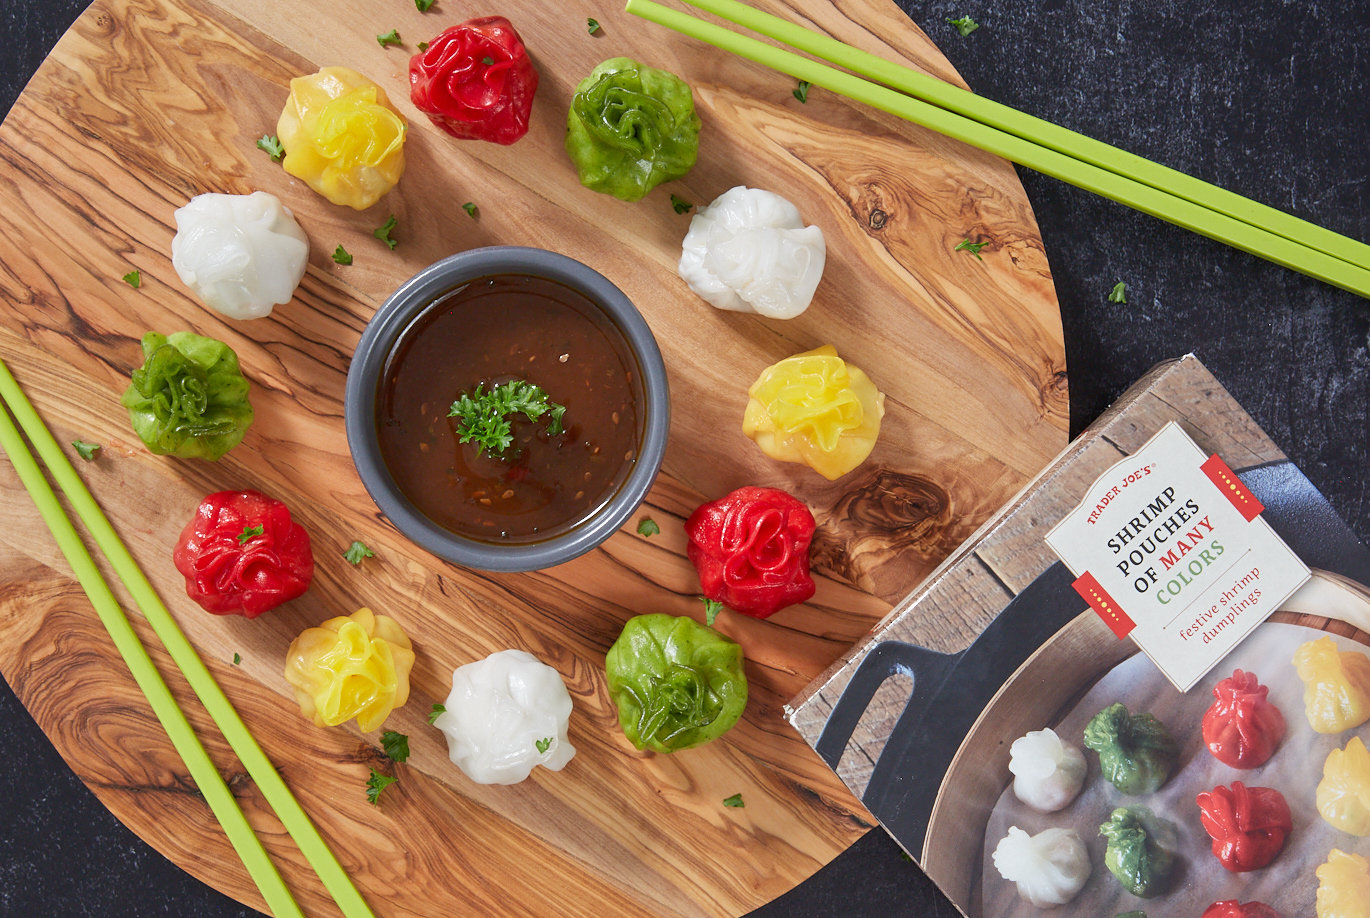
(372, 353)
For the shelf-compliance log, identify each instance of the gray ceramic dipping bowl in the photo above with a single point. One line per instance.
(373, 353)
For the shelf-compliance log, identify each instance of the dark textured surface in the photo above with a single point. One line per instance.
(1270, 99)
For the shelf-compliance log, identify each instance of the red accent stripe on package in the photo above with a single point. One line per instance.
(1102, 603)
(1231, 486)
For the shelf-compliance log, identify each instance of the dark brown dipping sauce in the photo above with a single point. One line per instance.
(492, 330)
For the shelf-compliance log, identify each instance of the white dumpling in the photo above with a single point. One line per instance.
(241, 254)
(506, 714)
(1050, 867)
(1047, 772)
(749, 251)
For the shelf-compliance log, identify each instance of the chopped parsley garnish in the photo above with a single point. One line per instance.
(965, 245)
(438, 710)
(484, 417)
(272, 145)
(470, 208)
(735, 800)
(134, 278)
(396, 745)
(488, 61)
(85, 450)
(375, 784)
(237, 658)
(592, 26)
(801, 91)
(711, 609)
(249, 532)
(543, 744)
(382, 232)
(356, 552)
(680, 205)
(647, 527)
(423, 6)
(342, 256)
(965, 25)
(389, 38)
(1118, 294)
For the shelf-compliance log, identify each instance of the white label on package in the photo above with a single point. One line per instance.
(1170, 549)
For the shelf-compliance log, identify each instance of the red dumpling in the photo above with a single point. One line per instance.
(1231, 908)
(1242, 728)
(1248, 825)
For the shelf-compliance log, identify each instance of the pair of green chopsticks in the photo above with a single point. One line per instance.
(206, 776)
(1039, 145)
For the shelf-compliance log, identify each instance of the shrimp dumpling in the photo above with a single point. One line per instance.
(749, 251)
(241, 254)
(1050, 867)
(1047, 772)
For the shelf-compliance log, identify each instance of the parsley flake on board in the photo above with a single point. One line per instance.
(389, 38)
(711, 609)
(592, 26)
(735, 800)
(470, 208)
(801, 91)
(647, 527)
(375, 784)
(396, 745)
(382, 232)
(438, 710)
(965, 25)
(1118, 294)
(423, 6)
(85, 450)
(680, 205)
(249, 532)
(356, 552)
(272, 145)
(543, 744)
(483, 417)
(342, 256)
(423, 46)
(134, 278)
(965, 245)
(237, 658)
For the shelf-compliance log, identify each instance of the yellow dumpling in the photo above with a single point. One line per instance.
(1336, 685)
(342, 137)
(1344, 792)
(351, 666)
(1343, 886)
(817, 409)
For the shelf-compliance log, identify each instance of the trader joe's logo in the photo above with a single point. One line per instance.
(1169, 548)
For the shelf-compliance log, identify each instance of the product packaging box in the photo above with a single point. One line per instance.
(1184, 613)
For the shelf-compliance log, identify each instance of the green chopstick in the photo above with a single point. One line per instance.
(244, 745)
(1137, 195)
(207, 778)
(1045, 133)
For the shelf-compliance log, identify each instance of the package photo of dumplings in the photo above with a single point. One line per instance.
(1144, 687)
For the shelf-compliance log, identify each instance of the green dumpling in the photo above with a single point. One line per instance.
(1136, 751)
(630, 128)
(1140, 850)
(189, 398)
(677, 683)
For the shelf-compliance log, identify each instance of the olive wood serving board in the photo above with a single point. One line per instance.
(145, 103)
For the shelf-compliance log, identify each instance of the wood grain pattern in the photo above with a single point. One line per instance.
(146, 103)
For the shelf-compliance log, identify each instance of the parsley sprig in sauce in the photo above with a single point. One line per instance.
(485, 418)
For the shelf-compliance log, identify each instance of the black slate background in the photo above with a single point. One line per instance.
(1268, 98)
